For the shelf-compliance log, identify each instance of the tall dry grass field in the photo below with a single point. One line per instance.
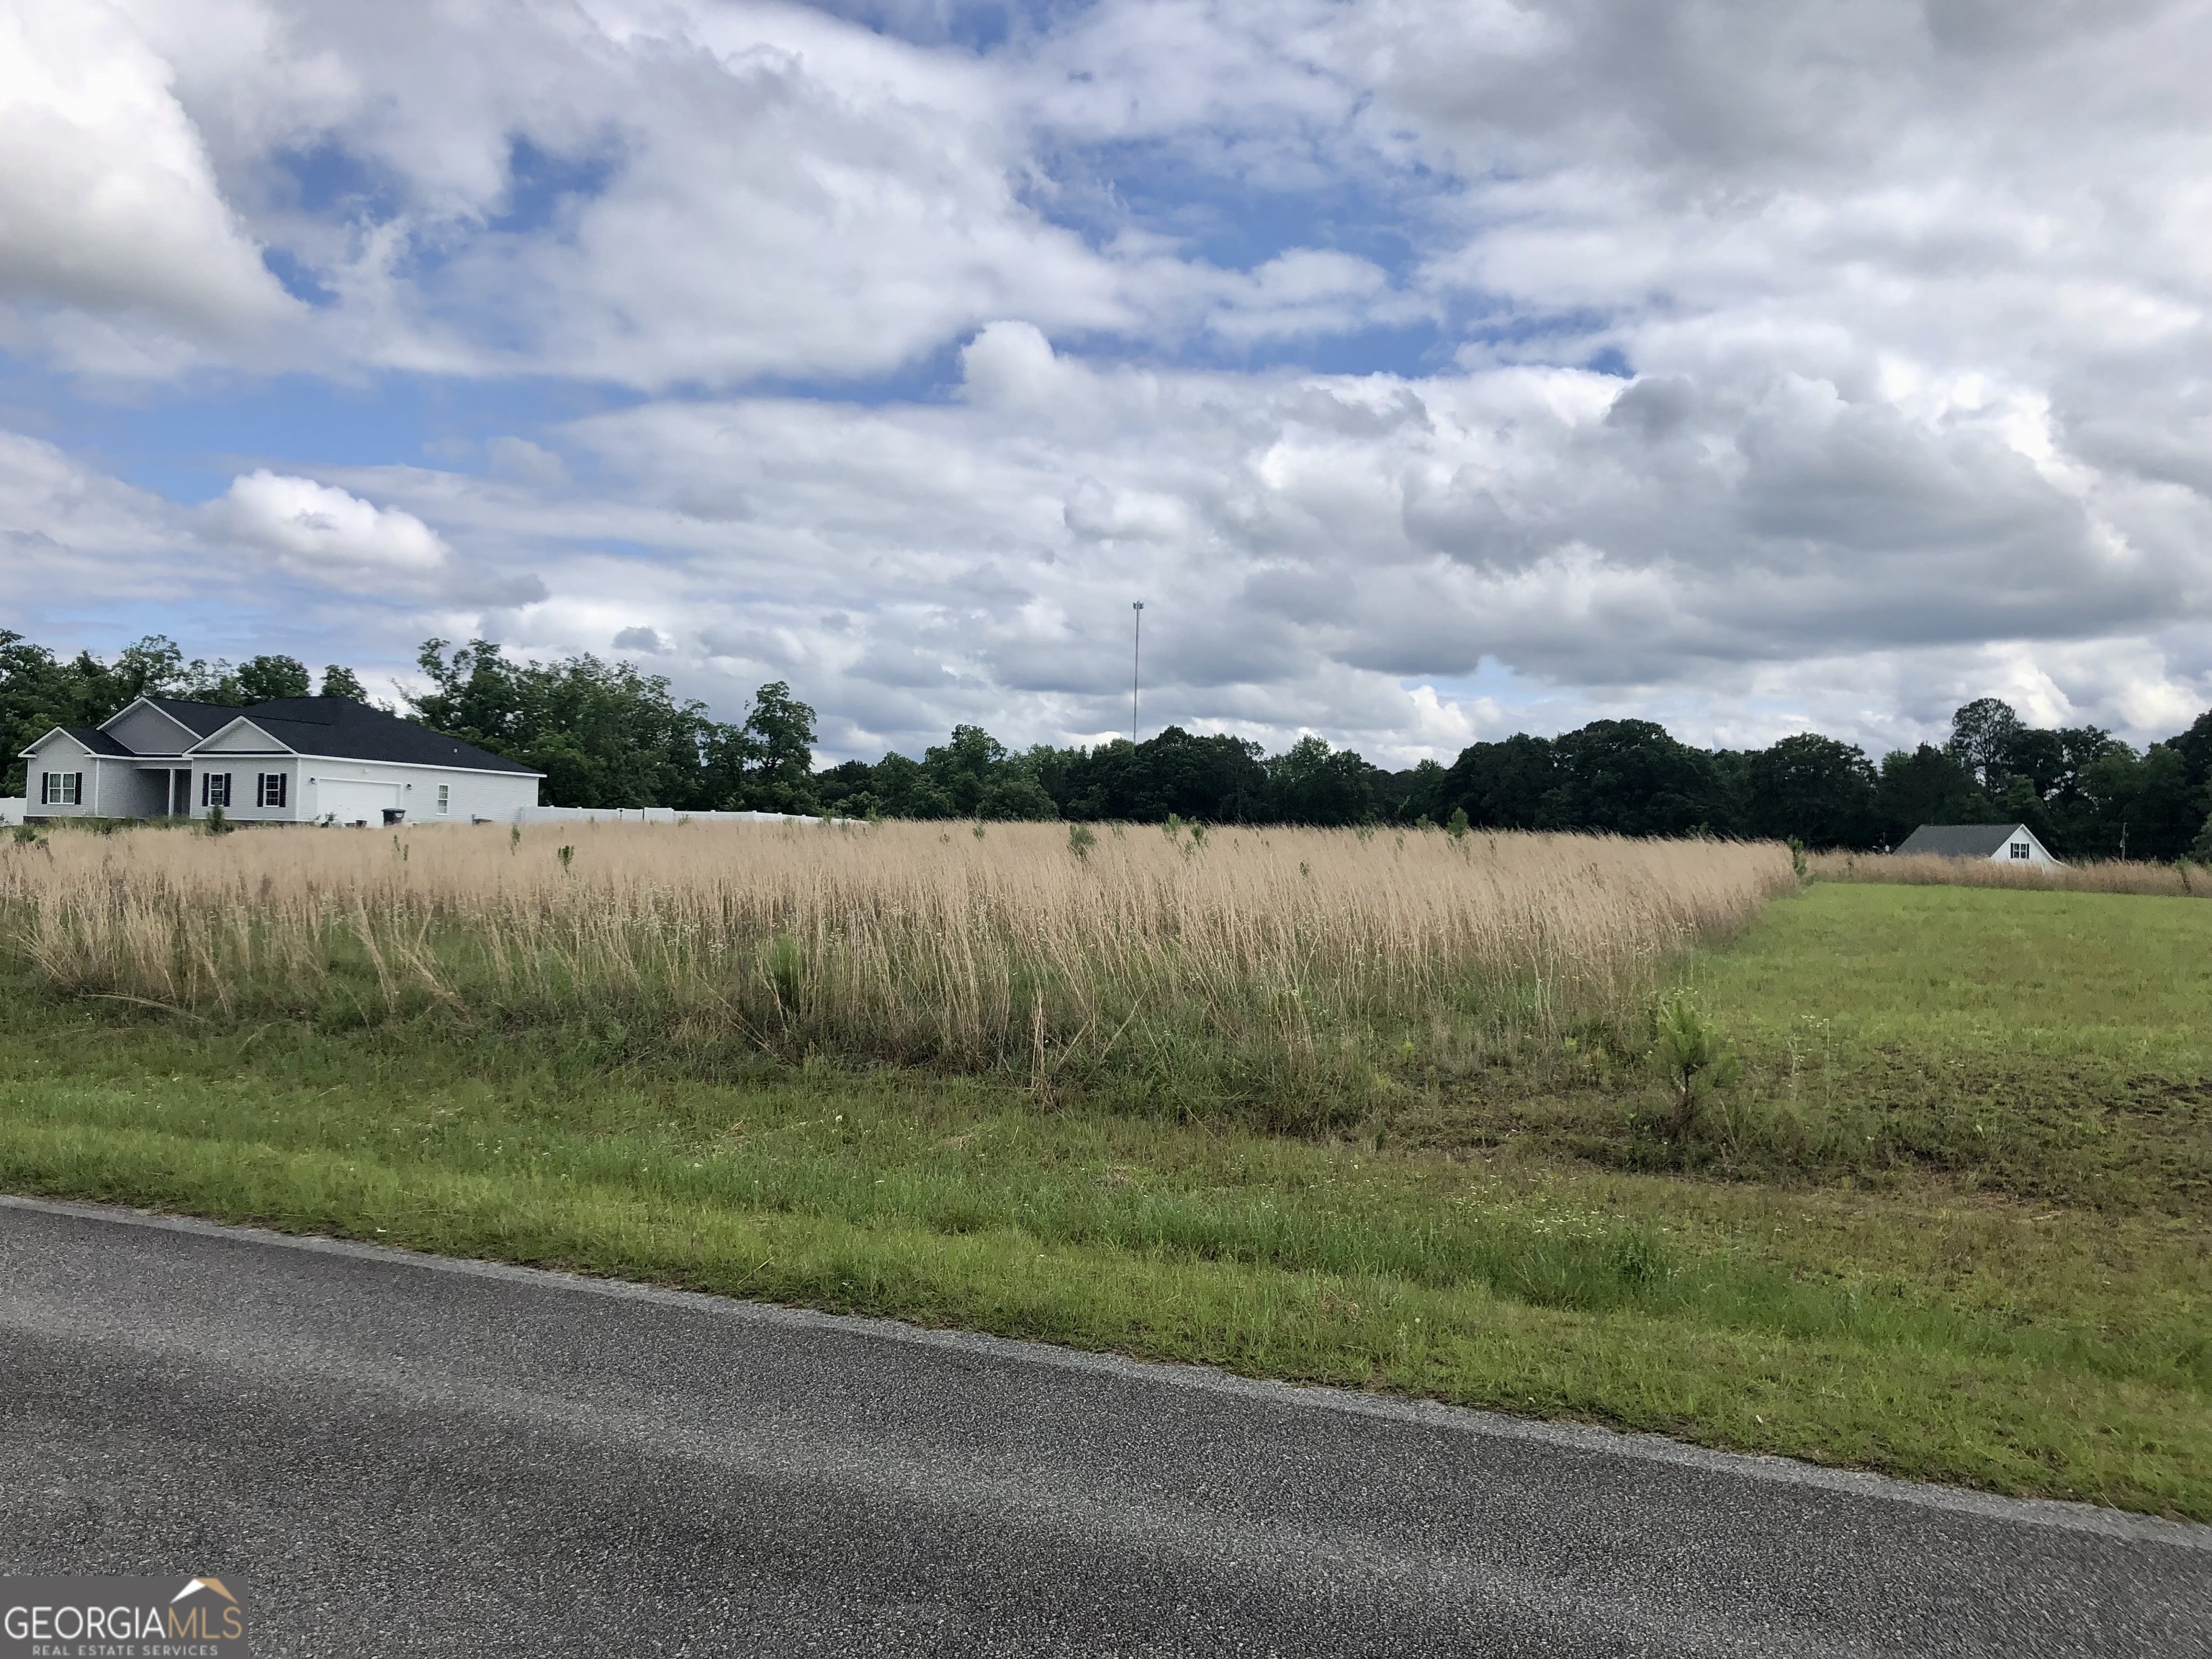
(1285, 967)
(2090, 875)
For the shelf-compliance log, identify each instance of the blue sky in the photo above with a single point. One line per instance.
(1431, 371)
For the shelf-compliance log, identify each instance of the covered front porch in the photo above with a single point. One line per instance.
(164, 791)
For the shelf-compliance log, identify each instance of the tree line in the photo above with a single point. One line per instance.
(605, 734)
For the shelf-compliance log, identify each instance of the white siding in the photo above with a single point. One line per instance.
(2021, 835)
(205, 800)
(247, 772)
(353, 800)
(60, 753)
(356, 790)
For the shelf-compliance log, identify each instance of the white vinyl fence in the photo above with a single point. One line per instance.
(648, 815)
(12, 809)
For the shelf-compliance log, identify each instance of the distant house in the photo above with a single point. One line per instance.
(296, 759)
(2000, 843)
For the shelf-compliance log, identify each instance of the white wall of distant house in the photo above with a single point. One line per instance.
(313, 790)
(2037, 858)
(351, 792)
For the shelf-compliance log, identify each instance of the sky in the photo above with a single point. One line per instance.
(1430, 369)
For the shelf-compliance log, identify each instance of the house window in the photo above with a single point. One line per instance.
(61, 788)
(269, 789)
(2020, 849)
(445, 798)
(214, 789)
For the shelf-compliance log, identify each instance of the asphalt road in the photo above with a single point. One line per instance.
(403, 1455)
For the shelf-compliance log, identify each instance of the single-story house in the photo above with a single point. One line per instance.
(295, 760)
(2000, 843)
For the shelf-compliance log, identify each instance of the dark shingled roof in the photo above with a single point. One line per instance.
(205, 719)
(338, 728)
(1959, 841)
(99, 742)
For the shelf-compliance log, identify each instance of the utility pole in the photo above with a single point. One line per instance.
(1136, 661)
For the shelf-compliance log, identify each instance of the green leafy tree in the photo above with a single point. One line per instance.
(904, 790)
(973, 774)
(342, 682)
(1511, 785)
(1631, 777)
(264, 679)
(153, 666)
(1983, 734)
(37, 694)
(1926, 785)
(1421, 795)
(961, 769)
(764, 763)
(1315, 784)
(782, 731)
(848, 789)
(604, 734)
(2060, 765)
(1214, 778)
(2162, 806)
(1814, 788)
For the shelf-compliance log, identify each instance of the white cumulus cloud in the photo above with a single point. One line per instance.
(322, 533)
(108, 203)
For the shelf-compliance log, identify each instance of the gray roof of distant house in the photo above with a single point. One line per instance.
(340, 728)
(1959, 841)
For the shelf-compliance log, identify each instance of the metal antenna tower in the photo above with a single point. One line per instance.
(1136, 661)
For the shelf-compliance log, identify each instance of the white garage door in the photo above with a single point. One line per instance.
(353, 803)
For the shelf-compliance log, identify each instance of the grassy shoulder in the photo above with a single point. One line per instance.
(1932, 1322)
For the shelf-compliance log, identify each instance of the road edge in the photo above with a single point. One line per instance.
(2066, 1515)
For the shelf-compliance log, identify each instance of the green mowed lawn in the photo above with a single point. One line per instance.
(2097, 978)
(1950, 1222)
(2048, 1044)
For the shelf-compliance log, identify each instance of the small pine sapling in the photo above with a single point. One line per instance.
(1695, 1059)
